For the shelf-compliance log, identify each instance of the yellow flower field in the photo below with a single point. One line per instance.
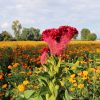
(36, 43)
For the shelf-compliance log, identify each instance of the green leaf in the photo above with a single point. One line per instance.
(36, 98)
(7, 94)
(70, 64)
(67, 96)
(43, 78)
(31, 99)
(44, 90)
(21, 95)
(28, 93)
(19, 98)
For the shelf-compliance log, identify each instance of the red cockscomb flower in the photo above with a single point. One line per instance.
(57, 39)
(45, 52)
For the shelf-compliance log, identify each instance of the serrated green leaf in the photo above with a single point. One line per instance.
(28, 93)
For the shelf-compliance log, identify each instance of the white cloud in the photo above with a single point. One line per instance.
(5, 25)
(19, 6)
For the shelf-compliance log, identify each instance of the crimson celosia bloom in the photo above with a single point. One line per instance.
(57, 39)
(45, 51)
(68, 30)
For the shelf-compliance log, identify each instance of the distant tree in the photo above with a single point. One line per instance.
(30, 37)
(6, 35)
(88, 36)
(1, 37)
(92, 36)
(16, 26)
(30, 34)
(85, 33)
(25, 33)
(36, 33)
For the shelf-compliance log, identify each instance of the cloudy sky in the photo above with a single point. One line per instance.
(51, 14)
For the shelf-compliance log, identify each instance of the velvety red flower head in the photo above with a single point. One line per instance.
(68, 30)
(53, 33)
(45, 52)
(57, 39)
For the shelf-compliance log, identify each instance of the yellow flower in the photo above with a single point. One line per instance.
(22, 72)
(62, 83)
(98, 50)
(94, 77)
(73, 67)
(81, 86)
(4, 86)
(16, 65)
(84, 78)
(75, 84)
(80, 74)
(9, 74)
(10, 67)
(77, 63)
(91, 69)
(82, 62)
(66, 68)
(90, 60)
(72, 89)
(98, 70)
(85, 73)
(71, 80)
(21, 87)
(29, 73)
(1, 76)
(72, 76)
(25, 82)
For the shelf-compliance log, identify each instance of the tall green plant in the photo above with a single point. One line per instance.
(53, 79)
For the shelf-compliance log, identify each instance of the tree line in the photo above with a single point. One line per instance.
(86, 34)
(33, 34)
(20, 33)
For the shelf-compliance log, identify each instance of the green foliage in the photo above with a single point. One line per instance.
(84, 34)
(1, 37)
(92, 36)
(28, 93)
(67, 96)
(87, 35)
(6, 35)
(5, 60)
(21, 34)
(25, 32)
(36, 33)
(30, 34)
(16, 26)
(53, 81)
